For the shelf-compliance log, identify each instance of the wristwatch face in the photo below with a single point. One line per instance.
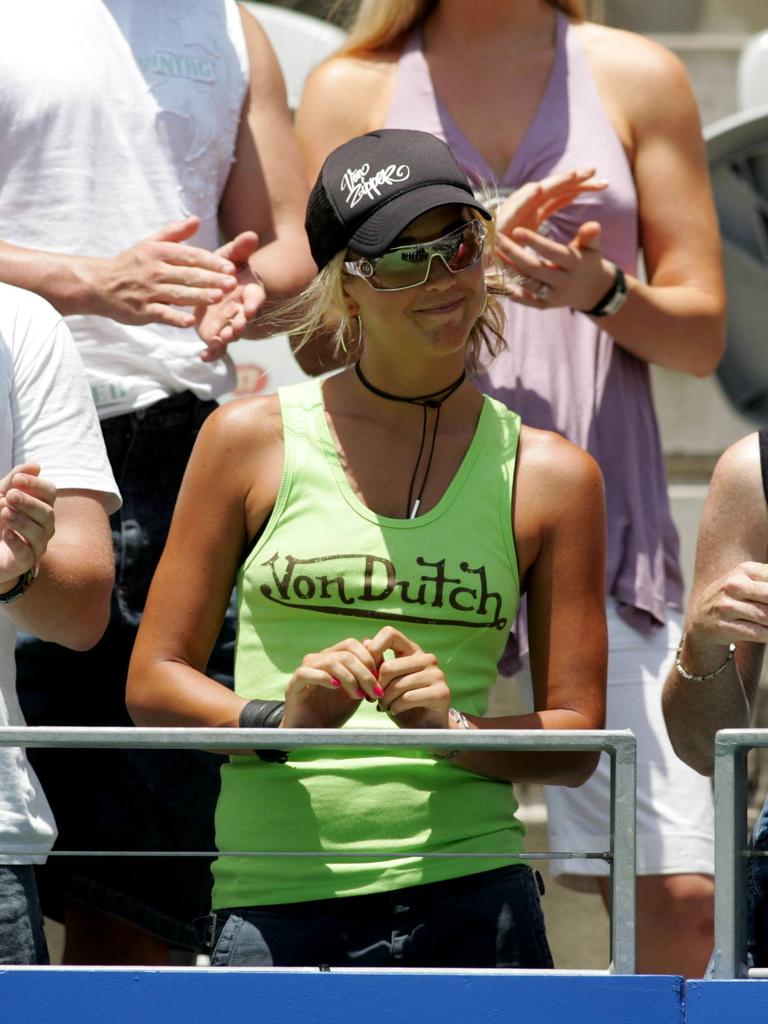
(617, 300)
(616, 303)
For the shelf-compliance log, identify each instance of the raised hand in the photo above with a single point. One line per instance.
(535, 202)
(148, 282)
(225, 321)
(326, 689)
(26, 522)
(553, 274)
(416, 694)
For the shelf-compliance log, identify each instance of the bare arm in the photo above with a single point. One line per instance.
(146, 283)
(729, 604)
(68, 602)
(266, 194)
(677, 318)
(229, 487)
(560, 538)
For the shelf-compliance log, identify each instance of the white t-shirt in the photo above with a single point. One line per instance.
(118, 116)
(46, 416)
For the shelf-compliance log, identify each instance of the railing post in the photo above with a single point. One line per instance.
(730, 960)
(623, 850)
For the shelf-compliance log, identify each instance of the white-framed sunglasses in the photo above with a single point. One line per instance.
(406, 266)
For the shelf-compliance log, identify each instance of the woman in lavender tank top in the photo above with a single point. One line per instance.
(527, 91)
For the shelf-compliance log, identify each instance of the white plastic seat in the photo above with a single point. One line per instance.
(737, 150)
(753, 72)
(300, 42)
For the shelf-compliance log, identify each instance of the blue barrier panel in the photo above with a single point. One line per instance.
(719, 1002)
(195, 996)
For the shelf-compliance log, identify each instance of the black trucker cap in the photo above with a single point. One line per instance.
(370, 188)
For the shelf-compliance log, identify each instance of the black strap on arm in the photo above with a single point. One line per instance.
(763, 439)
(264, 714)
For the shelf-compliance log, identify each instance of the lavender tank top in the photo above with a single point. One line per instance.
(560, 371)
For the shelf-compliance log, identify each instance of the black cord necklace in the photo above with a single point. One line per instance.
(434, 400)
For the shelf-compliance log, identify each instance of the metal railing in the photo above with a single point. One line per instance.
(620, 745)
(731, 851)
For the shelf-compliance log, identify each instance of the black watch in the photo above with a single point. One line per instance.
(613, 299)
(19, 589)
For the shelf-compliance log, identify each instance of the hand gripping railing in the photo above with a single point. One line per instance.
(731, 852)
(619, 745)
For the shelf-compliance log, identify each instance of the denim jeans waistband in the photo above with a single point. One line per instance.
(182, 407)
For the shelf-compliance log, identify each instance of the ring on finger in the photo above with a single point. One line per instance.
(542, 292)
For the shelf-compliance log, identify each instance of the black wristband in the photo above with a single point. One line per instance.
(613, 299)
(264, 714)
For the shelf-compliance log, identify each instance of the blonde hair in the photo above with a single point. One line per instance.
(378, 24)
(321, 310)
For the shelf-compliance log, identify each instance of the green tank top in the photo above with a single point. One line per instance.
(325, 568)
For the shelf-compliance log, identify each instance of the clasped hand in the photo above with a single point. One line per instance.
(328, 687)
(26, 522)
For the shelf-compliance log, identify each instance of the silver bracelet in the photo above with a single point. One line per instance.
(709, 675)
(462, 722)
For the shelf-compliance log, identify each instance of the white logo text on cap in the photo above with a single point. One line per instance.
(358, 185)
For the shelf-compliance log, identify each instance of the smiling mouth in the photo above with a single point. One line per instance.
(445, 307)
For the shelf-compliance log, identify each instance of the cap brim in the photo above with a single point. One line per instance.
(379, 231)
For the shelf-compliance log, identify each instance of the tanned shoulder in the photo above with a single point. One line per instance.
(556, 471)
(735, 517)
(344, 97)
(641, 82)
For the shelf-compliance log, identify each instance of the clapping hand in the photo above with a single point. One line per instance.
(549, 273)
(148, 282)
(224, 322)
(553, 274)
(26, 522)
(535, 202)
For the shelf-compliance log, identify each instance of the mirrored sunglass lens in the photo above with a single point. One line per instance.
(399, 269)
(465, 249)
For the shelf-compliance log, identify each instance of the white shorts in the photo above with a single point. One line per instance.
(675, 810)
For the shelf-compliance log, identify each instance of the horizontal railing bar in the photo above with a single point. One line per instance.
(619, 744)
(738, 739)
(374, 855)
(248, 739)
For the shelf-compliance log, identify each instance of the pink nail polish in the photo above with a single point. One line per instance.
(378, 690)
(335, 682)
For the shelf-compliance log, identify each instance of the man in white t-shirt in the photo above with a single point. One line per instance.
(136, 136)
(56, 488)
